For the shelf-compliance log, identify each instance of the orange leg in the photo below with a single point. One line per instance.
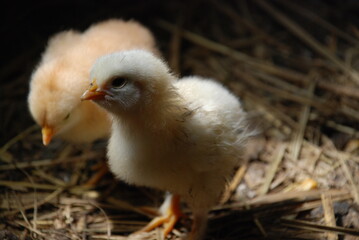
(199, 224)
(171, 215)
(101, 171)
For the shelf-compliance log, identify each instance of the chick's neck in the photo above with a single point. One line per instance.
(163, 116)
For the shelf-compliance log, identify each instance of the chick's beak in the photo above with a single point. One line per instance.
(47, 134)
(93, 93)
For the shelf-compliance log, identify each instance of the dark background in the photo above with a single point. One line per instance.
(27, 25)
(25, 29)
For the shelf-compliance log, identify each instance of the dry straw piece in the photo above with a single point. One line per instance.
(294, 65)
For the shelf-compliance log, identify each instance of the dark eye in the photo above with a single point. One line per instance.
(118, 82)
(67, 116)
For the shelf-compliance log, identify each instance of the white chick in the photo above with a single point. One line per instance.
(63, 75)
(184, 136)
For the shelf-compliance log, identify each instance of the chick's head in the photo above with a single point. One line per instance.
(128, 81)
(52, 99)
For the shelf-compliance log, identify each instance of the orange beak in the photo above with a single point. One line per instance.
(93, 93)
(47, 134)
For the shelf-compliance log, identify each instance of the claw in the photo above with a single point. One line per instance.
(168, 219)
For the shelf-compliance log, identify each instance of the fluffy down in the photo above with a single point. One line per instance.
(184, 136)
(196, 157)
(63, 75)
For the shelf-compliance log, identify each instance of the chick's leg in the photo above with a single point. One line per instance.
(199, 224)
(171, 213)
(101, 170)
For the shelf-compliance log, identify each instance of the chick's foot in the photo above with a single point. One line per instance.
(171, 214)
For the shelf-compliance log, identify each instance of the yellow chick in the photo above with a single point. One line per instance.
(184, 136)
(63, 75)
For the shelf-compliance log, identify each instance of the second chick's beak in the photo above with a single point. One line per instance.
(93, 93)
(47, 134)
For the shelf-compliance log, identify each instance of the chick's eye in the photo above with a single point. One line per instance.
(67, 116)
(118, 82)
